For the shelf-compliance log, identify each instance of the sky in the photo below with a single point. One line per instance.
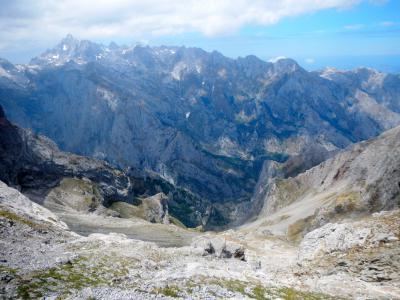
(317, 33)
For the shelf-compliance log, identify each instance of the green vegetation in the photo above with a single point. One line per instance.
(8, 270)
(169, 290)
(16, 218)
(260, 292)
(217, 219)
(176, 222)
(296, 230)
(88, 192)
(347, 202)
(292, 294)
(127, 210)
(288, 191)
(73, 275)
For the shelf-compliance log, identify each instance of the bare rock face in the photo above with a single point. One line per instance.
(156, 208)
(369, 248)
(374, 231)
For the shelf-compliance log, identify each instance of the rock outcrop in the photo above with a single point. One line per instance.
(219, 247)
(368, 248)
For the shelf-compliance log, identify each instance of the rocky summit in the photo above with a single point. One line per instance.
(171, 172)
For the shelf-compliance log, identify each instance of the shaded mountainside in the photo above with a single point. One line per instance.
(201, 121)
(31, 161)
(65, 181)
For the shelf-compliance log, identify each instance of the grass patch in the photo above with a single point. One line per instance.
(169, 290)
(347, 202)
(8, 270)
(176, 222)
(297, 230)
(17, 218)
(292, 294)
(287, 192)
(260, 292)
(73, 275)
(127, 210)
(63, 278)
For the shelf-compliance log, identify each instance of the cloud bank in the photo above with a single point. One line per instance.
(30, 23)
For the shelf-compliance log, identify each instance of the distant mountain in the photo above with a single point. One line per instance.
(202, 121)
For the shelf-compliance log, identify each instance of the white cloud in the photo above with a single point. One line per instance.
(43, 21)
(275, 59)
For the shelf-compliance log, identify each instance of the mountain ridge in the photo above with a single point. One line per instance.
(202, 121)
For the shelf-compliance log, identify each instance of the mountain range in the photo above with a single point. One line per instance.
(201, 122)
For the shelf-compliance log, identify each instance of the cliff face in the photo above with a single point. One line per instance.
(30, 161)
(201, 121)
(64, 181)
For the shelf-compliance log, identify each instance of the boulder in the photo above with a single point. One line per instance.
(219, 247)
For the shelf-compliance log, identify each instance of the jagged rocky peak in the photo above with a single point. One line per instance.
(71, 49)
(68, 43)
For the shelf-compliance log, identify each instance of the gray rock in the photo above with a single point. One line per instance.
(219, 247)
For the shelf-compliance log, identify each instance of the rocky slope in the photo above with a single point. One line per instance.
(202, 121)
(343, 213)
(354, 183)
(30, 161)
(69, 184)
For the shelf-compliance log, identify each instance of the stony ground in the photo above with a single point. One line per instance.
(40, 258)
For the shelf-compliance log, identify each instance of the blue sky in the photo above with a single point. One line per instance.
(340, 33)
(365, 35)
